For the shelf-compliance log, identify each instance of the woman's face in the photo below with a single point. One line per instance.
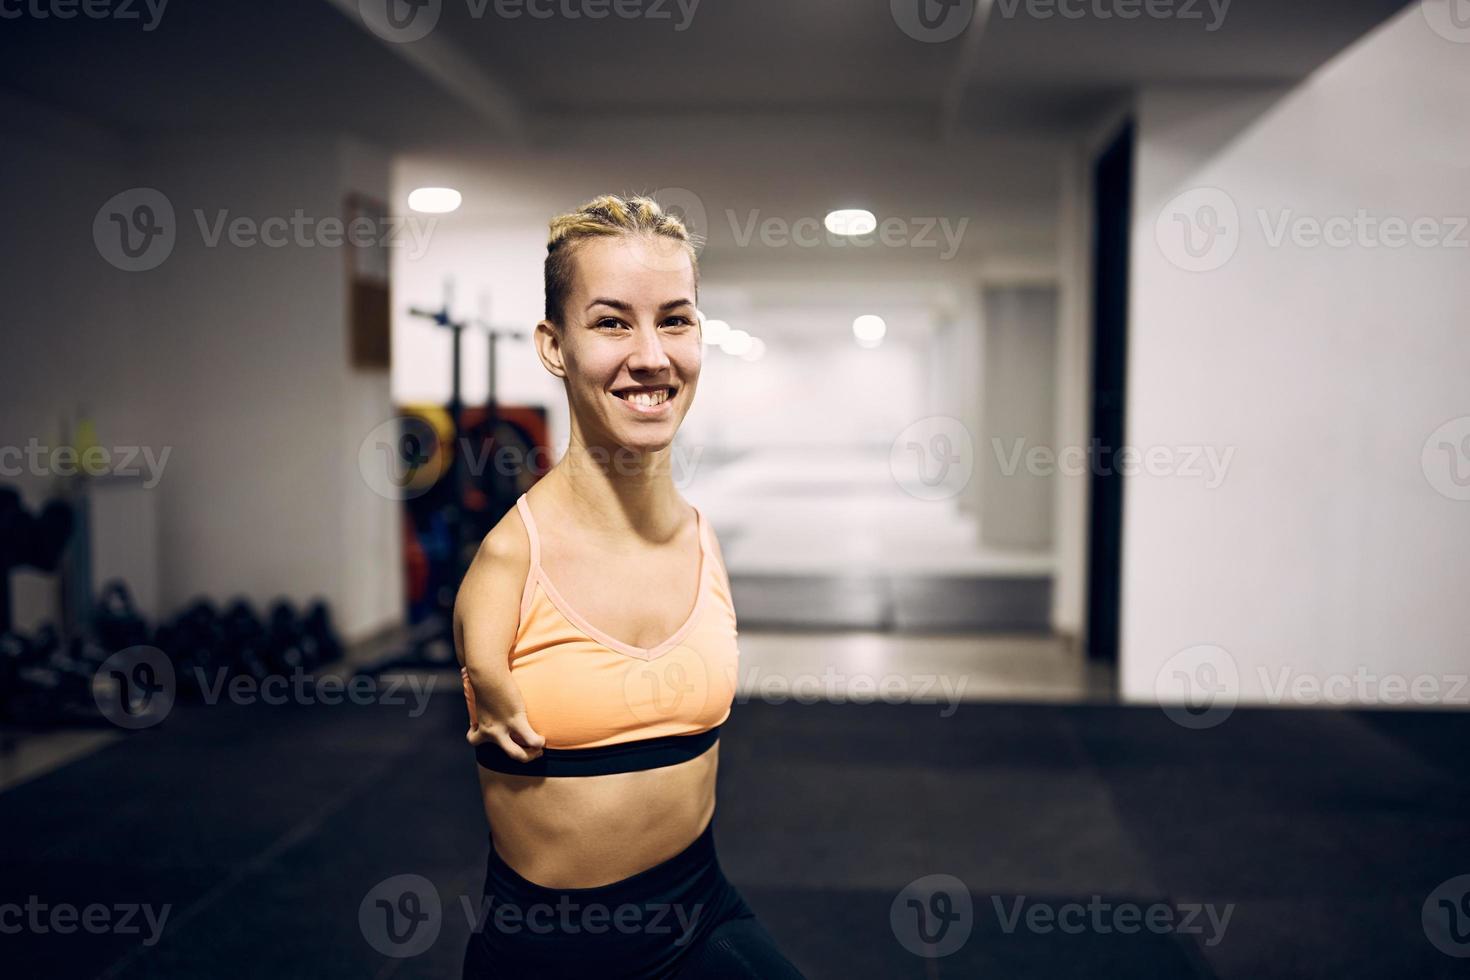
(630, 347)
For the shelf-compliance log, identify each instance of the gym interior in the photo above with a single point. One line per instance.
(1083, 420)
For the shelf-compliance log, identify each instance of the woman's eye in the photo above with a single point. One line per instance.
(679, 321)
(609, 322)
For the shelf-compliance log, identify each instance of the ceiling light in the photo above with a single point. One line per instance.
(434, 200)
(869, 330)
(736, 342)
(853, 221)
(715, 331)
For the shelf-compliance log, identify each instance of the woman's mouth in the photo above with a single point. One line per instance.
(648, 399)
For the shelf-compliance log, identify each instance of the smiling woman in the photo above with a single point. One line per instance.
(596, 702)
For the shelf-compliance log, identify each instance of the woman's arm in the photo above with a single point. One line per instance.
(486, 614)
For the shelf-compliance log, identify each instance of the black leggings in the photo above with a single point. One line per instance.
(678, 920)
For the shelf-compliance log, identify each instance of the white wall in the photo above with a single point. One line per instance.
(1327, 550)
(233, 359)
(62, 318)
(1016, 498)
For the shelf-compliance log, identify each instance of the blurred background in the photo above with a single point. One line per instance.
(1084, 418)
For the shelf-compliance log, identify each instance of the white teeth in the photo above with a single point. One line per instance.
(648, 399)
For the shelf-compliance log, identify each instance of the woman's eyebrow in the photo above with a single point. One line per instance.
(618, 304)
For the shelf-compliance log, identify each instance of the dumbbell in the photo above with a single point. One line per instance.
(116, 622)
(319, 627)
(288, 647)
(246, 645)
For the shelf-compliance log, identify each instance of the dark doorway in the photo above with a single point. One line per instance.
(1112, 206)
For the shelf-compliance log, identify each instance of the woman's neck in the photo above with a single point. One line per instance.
(622, 490)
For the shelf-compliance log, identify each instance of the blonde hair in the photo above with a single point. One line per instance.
(601, 216)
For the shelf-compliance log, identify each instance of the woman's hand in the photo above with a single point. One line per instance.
(500, 718)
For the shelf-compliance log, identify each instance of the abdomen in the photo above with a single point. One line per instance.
(586, 831)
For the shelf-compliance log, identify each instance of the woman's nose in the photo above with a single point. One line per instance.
(648, 353)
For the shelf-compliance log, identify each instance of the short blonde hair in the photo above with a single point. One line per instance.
(606, 215)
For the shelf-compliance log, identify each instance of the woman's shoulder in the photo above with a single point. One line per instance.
(508, 541)
(502, 560)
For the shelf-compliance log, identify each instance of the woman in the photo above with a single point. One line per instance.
(597, 640)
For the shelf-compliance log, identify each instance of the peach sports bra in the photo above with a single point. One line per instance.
(607, 706)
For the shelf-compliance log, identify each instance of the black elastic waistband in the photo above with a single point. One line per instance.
(646, 753)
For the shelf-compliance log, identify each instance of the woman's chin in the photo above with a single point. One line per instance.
(646, 438)
(643, 443)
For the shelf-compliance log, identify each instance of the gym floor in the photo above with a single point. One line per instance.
(1311, 836)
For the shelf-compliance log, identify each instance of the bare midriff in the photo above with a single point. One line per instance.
(586, 831)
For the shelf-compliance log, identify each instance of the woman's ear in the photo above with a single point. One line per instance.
(548, 348)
